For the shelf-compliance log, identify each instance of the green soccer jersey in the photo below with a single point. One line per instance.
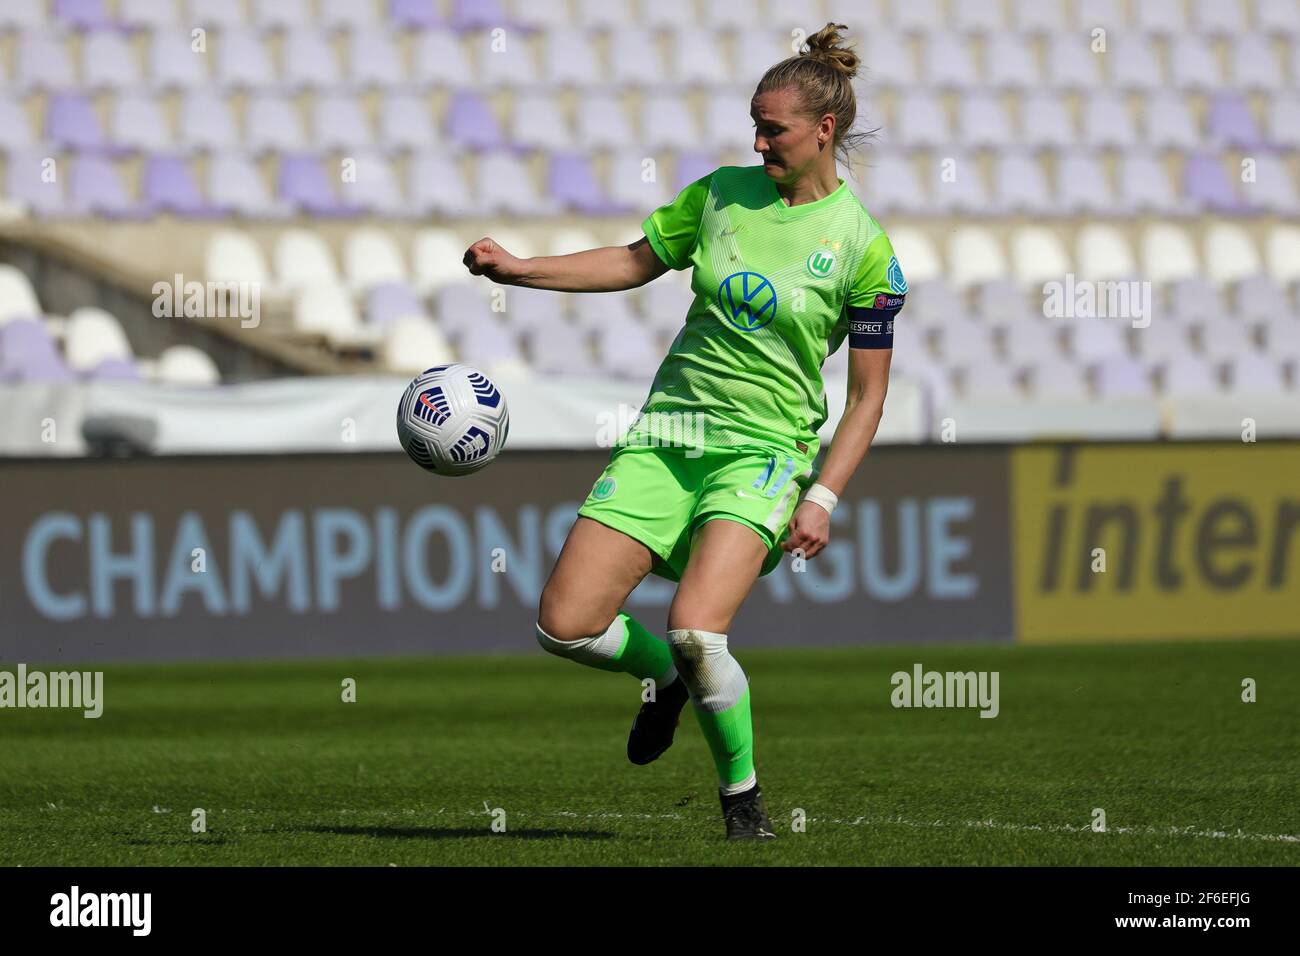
(777, 289)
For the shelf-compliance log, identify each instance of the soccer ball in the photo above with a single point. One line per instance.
(452, 420)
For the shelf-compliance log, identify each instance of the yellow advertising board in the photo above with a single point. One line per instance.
(1113, 542)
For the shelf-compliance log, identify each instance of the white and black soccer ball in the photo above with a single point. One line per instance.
(452, 420)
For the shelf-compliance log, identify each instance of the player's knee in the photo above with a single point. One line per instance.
(559, 620)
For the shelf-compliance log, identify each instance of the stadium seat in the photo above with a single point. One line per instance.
(327, 309)
(1189, 376)
(374, 59)
(43, 63)
(1118, 376)
(170, 186)
(108, 62)
(215, 13)
(308, 60)
(243, 60)
(93, 336)
(302, 259)
(1056, 379)
(272, 122)
(371, 257)
(386, 302)
(186, 365)
(237, 185)
(1168, 254)
(283, 15)
(974, 255)
(436, 259)
(173, 61)
(1230, 253)
(540, 124)
(17, 297)
(29, 354)
(234, 256)
(138, 123)
(1255, 374)
(206, 121)
(147, 14)
(1009, 62)
(1038, 256)
(412, 343)
(1282, 253)
(1104, 254)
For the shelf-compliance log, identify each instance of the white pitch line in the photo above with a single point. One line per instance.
(1186, 831)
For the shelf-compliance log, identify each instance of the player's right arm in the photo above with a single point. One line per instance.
(607, 269)
(671, 232)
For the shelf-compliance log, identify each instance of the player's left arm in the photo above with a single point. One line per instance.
(810, 528)
(876, 296)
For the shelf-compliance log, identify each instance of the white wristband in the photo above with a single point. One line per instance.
(821, 495)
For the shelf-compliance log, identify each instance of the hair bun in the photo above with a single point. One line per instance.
(824, 46)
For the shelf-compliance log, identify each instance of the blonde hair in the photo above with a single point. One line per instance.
(821, 75)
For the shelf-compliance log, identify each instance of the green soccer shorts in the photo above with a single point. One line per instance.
(659, 496)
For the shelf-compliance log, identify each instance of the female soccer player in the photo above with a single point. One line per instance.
(786, 263)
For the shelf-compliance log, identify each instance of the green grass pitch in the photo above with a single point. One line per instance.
(1156, 735)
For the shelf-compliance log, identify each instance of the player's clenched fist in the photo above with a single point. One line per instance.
(810, 529)
(487, 258)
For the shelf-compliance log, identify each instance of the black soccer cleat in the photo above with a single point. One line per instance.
(746, 815)
(655, 724)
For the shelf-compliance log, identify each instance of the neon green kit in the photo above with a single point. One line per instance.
(729, 428)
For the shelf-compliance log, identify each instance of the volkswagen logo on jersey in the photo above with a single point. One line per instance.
(748, 300)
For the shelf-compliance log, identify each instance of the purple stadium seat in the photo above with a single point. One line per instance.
(170, 186)
(474, 14)
(414, 14)
(573, 182)
(470, 123)
(1231, 122)
(1206, 184)
(692, 165)
(305, 183)
(389, 301)
(29, 354)
(70, 120)
(82, 14)
(147, 14)
(97, 189)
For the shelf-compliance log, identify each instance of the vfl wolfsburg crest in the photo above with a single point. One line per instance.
(820, 263)
(896, 281)
(604, 488)
(748, 300)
